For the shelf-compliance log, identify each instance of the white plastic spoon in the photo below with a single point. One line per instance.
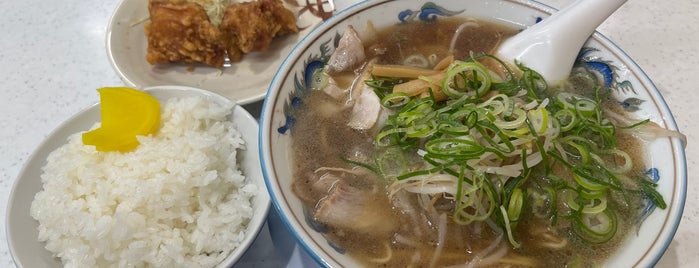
(551, 46)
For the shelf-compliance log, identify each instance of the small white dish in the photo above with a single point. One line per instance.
(22, 233)
(244, 81)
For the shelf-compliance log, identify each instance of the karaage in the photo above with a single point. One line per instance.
(251, 26)
(180, 31)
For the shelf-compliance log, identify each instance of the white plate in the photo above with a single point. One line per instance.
(245, 81)
(22, 233)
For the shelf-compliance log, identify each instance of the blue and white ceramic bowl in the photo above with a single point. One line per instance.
(632, 88)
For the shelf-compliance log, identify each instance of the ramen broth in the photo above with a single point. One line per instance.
(405, 230)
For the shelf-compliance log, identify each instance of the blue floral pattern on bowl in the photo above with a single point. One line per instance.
(428, 12)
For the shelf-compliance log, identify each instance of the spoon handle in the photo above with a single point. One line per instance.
(551, 46)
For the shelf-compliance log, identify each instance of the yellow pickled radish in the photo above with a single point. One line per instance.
(126, 113)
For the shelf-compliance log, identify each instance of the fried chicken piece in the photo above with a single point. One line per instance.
(251, 26)
(246, 27)
(283, 17)
(180, 31)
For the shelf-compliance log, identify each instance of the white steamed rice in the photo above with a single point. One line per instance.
(178, 200)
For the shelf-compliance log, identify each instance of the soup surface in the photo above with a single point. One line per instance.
(486, 166)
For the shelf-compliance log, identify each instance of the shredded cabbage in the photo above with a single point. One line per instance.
(214, 9)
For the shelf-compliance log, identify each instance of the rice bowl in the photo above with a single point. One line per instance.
(206, 213)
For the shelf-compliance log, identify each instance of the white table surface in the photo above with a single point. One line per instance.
(52, 58)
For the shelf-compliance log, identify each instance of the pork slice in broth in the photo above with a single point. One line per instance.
(348, 55)
(335, 91)
(367, 106)
(360, 210)
(315, 186)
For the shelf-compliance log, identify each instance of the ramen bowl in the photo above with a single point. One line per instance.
(629, 86)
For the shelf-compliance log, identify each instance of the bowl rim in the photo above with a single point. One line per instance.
(256, 223)
(674, 216)
(652, 254)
